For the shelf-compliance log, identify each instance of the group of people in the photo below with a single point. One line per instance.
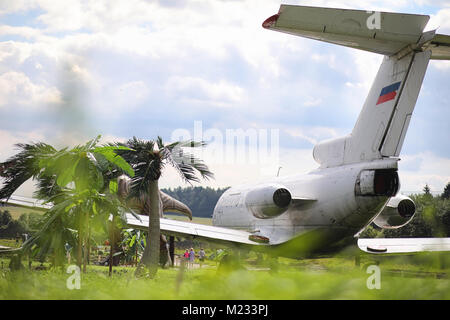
(189, 257)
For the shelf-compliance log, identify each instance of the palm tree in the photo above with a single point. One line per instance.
(148, 159)
(76, 181)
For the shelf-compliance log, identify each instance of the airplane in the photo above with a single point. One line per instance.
(357, 182)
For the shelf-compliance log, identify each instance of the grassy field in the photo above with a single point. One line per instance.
(16, 212)
(423, 277)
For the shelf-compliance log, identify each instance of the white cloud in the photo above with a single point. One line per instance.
(313, 134)
(8, 140)
(131, 94)
(421, 169)
(198, 90)
(18, 52)
(17, 89)
(440, 21)
(26, 32)
(7, 6)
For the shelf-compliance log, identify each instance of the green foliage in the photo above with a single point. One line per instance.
(10, 228)
(446, 193)
(5, 218)
(133, 242)
(31, 221)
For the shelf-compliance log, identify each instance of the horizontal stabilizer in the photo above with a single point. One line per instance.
(403, 245)
(194, 230)
(379, 32)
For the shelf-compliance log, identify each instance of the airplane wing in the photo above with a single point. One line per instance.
(199, 231)
(403, 245)
(27, 203)
(168, 226)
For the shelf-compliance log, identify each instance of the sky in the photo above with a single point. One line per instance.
(71, 70)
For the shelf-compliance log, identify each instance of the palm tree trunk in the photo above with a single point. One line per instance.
(172, 250)
(150, 256)
(111, 239)
(86, 234)
(79, 249)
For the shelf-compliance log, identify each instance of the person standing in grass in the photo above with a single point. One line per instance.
(17, 239)
(68, 249)
(186, 257)
(201, 256)
(191, 257)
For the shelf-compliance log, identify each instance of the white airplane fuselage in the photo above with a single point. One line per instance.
(333, 208)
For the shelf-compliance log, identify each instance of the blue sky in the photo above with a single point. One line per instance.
(74, 69)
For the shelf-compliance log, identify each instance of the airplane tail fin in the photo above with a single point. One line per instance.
(382, 124)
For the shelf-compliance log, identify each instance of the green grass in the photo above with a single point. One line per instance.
(331, 278)
(16, 212)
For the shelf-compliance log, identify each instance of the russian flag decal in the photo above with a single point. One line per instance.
(388, 93)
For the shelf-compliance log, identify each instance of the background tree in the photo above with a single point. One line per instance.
(427, 192)
(9, 227)
(446, 193)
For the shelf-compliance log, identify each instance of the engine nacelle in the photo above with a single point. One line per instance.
(378, 182)
(268, 201)
(398, 212)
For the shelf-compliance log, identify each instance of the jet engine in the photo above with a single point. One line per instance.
(268, 201)
(398, 212)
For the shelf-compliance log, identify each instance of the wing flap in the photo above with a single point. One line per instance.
(403, 245)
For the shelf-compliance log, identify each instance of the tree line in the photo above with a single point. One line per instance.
(199, 199)
(28, 223)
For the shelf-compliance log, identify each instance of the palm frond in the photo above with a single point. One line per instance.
(23, 166)
(186, 163)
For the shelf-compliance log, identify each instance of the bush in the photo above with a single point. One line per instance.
(10, 228)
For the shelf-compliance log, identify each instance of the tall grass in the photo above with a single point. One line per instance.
(314, 279)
